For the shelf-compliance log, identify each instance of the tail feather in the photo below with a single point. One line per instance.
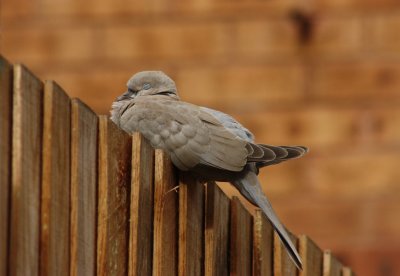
(250, 188)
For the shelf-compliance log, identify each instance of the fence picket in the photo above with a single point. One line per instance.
(262, 245)
(331, 265)
(165, 248)
(5, 158)
(84, 131)
(191, 225)
(26, 173)
(346, 271)
(283, 265)
(114, 180)
(217, 231)
(311, 256)
(55, 193)
(141, 207)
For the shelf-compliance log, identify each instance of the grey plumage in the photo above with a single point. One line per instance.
(207, 142)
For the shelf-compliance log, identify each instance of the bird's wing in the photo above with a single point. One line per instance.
(189, 134)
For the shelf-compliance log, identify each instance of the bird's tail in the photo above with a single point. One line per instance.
(250, 188)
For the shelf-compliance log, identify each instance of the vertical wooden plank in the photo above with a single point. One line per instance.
(217, 232)
(165, 249)
(55, 194)
(312, 257)
(114, 180)
(141, 207)
(346, 271)
(331, 266)
(191, 225)
(84, 130)
(263, 239)
(26, 173)
(240, 239)
(5, 159)
(283, 265)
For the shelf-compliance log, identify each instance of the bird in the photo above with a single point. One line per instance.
(206, 142)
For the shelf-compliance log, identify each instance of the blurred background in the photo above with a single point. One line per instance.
(322, 73)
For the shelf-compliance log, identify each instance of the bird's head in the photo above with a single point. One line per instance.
(148, 83)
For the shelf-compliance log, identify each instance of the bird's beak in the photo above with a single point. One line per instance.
(124, 97)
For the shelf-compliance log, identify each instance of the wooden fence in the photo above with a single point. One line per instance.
(78, 196)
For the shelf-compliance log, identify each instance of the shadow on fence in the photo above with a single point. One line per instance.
(78, 196)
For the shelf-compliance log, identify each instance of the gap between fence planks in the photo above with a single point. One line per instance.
(141, 207)
(114, 174)
(5, 159)
(84, 130)
(26, 173)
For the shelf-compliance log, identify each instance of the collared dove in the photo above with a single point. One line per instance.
(207, 142)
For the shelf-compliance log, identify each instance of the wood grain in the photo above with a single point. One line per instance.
(26, 173)
(263, 239)
(191, 225)
(283, 265)
(55, 194)
(240, 239)
(114, 180)
(141, 207)
(5, 159)
(84, 133)
(311, 256)
(331, 265)
(217, 231)
(165, 248)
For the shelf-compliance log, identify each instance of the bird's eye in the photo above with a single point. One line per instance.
(146, 86)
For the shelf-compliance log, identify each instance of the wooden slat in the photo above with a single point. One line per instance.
(141, 207)
(114, 170)
(263, 239)
(191, 225)
(165, 248)
(240, 239)
(283, 265)
(346, 271)
(331, 266)
(217, 232)
(55, 194)
(84, 131)
(5, 158)
(311, 256)
(26, 173)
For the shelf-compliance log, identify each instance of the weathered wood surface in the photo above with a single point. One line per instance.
(84, 133)
(191, 226)
(26, 173)
(283, 265)
(217, 231)
(165, 247)
(240, 239)
(331, 265)
(141, 207)
(55, 193)
(311, 256)
(5, 159)
(263, 239)
(114, 180)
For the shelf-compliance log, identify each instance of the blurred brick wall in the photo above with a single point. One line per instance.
(323, 73)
